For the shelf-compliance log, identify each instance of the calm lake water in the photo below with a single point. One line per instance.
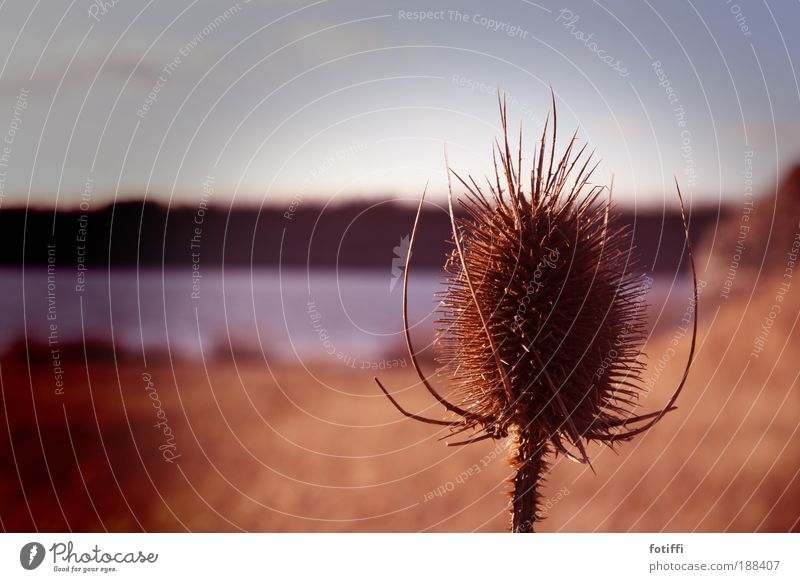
(353, 316)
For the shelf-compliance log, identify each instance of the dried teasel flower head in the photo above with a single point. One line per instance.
(543, 318)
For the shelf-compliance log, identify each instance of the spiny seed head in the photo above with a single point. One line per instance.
(542, 321)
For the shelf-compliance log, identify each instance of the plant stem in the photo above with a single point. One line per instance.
(530, 465)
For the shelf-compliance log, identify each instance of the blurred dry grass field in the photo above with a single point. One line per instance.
(317, 448)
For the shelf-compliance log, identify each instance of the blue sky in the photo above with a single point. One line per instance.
(274, 101)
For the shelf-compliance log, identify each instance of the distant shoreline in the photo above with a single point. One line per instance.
(357, 235)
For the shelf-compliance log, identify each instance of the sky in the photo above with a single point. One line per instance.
(283, 103)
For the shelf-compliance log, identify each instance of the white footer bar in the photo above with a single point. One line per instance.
(402, 557)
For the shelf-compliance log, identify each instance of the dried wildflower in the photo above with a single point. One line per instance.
(542, 321)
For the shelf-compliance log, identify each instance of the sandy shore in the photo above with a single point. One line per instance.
(243, 444)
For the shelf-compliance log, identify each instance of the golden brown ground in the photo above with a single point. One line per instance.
(316, 448)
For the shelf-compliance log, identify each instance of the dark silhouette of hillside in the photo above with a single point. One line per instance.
(355, 235)
(756, 240)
